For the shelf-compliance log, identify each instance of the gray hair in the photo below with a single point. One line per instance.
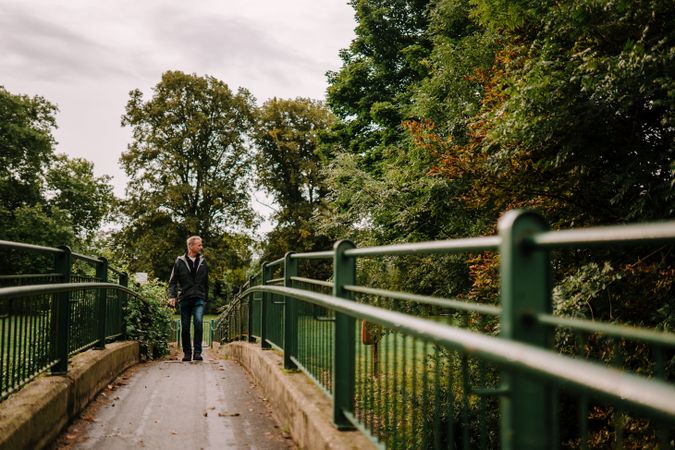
(192, 239)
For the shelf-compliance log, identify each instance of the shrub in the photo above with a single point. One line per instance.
(149, 320)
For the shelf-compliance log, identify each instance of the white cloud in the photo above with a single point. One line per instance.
(86, 56)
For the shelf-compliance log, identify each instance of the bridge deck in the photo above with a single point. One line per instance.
(169, 404)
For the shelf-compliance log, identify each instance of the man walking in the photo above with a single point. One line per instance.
(189, 284)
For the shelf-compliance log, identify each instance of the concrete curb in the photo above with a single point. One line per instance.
(299, 405)
(35, 416)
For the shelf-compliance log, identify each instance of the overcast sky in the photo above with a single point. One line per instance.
(85, 56)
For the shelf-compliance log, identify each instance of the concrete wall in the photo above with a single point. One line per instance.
(35, 416)
(300, 406)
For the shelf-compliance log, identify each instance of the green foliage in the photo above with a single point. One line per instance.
(289, 160)
(371, 90)
(149, 319)
(71, 185)
(26, 144)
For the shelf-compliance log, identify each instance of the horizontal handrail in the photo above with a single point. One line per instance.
(24, 291)
(31, 247)
(325, 254)
(428, 300)
(276, 262)
(313, 281)
(30, 275)
(636, 234)
(86, 258)
(649, 396)
(423, 248)
(624, 331)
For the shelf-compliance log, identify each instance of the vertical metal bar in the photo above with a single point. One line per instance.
(290, 314)
(618, 417)
(4, 323)
(344, 273)
(526, 413)
(425, 394)
(583, 400)
(388, 396)
(404, 383)
(377, 375)
(101, 303)
(394, 397)
(264, 307)
(249, 319)
(437, 398)
(63, 264)
(451, 404)
(466, 386)
(482, 425)
(414, 396)
(660, 373)
(124, 298)
(21, 344)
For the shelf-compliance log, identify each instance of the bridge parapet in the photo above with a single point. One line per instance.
(467, 375)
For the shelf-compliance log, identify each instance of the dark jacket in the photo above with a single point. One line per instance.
(185, 283)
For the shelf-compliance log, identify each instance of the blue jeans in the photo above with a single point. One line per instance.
(191, 307)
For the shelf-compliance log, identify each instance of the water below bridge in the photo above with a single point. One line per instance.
(169, 404)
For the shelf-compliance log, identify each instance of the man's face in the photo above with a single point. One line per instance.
(196, 246)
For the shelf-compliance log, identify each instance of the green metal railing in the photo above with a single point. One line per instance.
(465, 375)
(209, 327)
(47, 317)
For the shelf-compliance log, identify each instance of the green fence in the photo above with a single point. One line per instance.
(208, 326)
(47, 317)
(466, 375)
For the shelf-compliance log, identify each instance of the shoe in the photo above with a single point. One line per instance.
(186, 357)
(198, 357)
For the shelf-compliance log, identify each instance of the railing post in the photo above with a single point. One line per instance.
(266, 298)
(344, 273)
(249, 319)
(101, 303)
(63, 264)
(290, 314)
(526, 411)
(124, 297)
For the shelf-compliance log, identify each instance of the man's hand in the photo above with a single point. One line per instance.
(172, 302)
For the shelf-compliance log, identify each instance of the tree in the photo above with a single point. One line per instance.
(72, 187)
(371, 92)
(289, 159)
(188, 165)
(26, 147)
(577, 116)
(45, 198)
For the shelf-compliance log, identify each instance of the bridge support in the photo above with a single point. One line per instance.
(264, 307)
(63, 264)
(526, 414)
(101, 303)
(290, 314)
(344, 273)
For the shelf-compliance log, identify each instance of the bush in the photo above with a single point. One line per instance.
(149, 320)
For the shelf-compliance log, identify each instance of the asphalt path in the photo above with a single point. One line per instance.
(169, 404)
